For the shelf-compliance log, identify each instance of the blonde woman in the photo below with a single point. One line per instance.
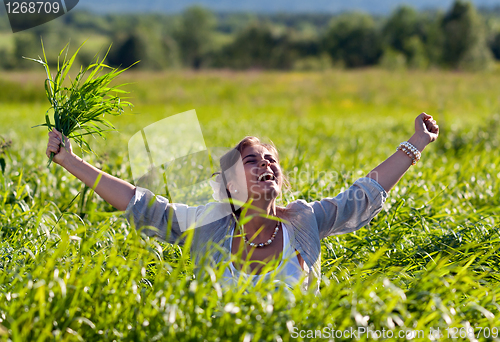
(288, 236)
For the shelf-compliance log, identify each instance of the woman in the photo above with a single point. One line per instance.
(273, 233)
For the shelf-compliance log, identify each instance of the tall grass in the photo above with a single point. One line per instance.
(429, 259)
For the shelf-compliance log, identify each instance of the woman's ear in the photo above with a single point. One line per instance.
(231, 187)
(237, 191)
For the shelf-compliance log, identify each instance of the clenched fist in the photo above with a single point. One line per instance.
(62, 153)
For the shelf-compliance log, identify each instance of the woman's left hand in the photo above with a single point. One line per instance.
(426, 131)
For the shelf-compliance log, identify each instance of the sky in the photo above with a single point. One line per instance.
(268, 6)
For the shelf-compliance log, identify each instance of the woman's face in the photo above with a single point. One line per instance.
(262, 172)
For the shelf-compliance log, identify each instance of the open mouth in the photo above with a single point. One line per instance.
(266, 176)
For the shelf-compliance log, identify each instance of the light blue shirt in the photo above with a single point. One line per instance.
(308, 223)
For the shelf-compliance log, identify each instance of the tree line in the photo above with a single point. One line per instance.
(462, 38)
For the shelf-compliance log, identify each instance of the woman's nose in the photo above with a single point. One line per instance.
(264, 163)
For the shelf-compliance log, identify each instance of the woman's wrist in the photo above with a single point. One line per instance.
(420, 142)
(69, 160)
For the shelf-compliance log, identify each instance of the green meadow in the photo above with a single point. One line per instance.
(73, 269)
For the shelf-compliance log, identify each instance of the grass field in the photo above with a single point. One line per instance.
(72, 269)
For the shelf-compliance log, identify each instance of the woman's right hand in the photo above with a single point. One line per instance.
(62, 154)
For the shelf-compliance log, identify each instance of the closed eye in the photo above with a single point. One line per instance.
(270, 158)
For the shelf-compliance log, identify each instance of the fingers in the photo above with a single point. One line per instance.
(54, 143)
(55, 133)
(54, 139)
(53, 136)
(431, 124)
(427, 119)
(431, 127)
(53, 147)
(423, 116)
(428, 125)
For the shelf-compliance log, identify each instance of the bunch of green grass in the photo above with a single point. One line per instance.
(80, 105)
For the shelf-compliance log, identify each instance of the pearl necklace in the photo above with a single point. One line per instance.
(263, 244)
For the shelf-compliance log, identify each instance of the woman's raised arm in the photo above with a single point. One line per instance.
(393, 168)
(115, 191)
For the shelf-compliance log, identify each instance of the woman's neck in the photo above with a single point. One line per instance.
(259, 221)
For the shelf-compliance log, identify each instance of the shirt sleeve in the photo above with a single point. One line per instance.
(157, 217)
(351, 209)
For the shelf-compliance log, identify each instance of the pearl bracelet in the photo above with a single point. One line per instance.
(410, 150)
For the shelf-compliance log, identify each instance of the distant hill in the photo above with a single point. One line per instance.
(269, 6)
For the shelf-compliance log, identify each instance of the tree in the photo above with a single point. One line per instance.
(195, 35)
(145, 44)
(495, 46)
(465, 45)
(26, 44)
(127, 50)
(433, 37)
(403, 33)
(400, 26)
(354, 40)
(258, 47)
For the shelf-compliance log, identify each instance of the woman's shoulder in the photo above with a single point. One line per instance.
(298, 205)
(364, 184)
